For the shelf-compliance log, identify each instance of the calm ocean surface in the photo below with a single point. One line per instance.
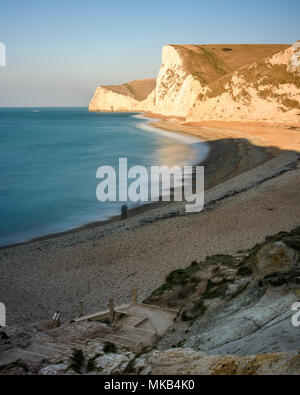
(49, 158)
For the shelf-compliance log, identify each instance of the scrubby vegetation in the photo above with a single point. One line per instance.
(77, 360)
(109, 348)
(15, 365)
(190, 290)
(263, 73)
(139, 90)
(264, 77)
(207, 63)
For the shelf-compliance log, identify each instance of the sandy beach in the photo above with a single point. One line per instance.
(252, 190)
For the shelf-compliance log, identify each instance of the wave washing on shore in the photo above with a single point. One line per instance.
(49, 158)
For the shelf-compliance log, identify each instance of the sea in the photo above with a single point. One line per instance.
(49, 159)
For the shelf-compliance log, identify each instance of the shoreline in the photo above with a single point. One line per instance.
(262, 134)
(145, 206)
(208, 133)
(251, 192)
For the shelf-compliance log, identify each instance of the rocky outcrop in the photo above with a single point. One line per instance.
(189, 362)
(179, 362)
(235, 316)
(274, 258)
(215, 82)
(237, 305)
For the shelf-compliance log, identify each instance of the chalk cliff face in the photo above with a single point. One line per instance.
(128, 97)
(177, 89)
(268, 90)
(215, 82)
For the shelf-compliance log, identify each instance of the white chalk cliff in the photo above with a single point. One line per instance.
(215, 82)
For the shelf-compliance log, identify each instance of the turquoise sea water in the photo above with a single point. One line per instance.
(49, 158)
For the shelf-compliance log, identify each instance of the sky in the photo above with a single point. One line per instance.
(59, 51)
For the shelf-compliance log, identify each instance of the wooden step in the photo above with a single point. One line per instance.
(31, 353)
(67, 345)
(58, 346)
(138, 334)
(122, 341)
(73, 345)
(41, 349)
(132, 320)
(52, 347)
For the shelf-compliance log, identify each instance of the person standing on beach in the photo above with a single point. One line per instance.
(124, 212)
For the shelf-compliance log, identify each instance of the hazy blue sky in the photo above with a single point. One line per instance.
(58, 51)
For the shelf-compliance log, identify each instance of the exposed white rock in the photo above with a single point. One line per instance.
(179, 93)
(296, 56)
(54, 370)
(187, 362)
(113, 363)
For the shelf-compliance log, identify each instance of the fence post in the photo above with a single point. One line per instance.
(56, 319)
(111, 311)
(134, 296)
(80, 309)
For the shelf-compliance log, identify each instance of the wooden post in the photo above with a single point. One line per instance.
(56, 320)
(80, 309)
(134, 295)
(111, 311)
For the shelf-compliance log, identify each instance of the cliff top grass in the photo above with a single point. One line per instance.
(211, 62)
(138, 89)
(259, 75)
(207, 63)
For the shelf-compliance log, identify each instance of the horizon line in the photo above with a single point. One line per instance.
(44, 106)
